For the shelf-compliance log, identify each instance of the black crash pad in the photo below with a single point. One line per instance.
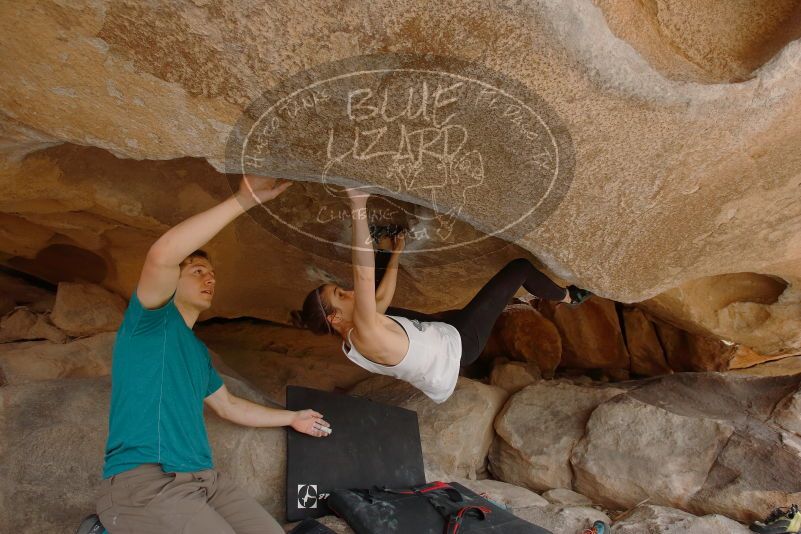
(372, 444)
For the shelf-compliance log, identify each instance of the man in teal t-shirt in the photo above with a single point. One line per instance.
(161, 373)
(158, 473)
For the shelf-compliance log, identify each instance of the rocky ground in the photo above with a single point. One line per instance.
(697, 452)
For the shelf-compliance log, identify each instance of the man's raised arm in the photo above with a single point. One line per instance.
(160, 273)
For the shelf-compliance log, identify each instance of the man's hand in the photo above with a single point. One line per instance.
(254, 190)
(311, 423)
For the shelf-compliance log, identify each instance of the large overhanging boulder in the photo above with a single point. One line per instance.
(680, 134)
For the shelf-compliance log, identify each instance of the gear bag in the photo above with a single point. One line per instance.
(434, 508)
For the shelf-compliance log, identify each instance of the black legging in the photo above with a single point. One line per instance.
(475, 321)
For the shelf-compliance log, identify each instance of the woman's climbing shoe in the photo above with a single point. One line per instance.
(577, 295)
(779, 521)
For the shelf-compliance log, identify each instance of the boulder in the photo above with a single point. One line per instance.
(566, 497)
(22, 324)
(591, 334)
(17, 325)
(642, 342)
(537, 430)
(508, 495)
(752, 475)
(634, 451)
(787, 413)
(562, 519)
(456, 434)
(523, 334)
(708, 443)
(759, 310)
(54, 435)
(42, 360)
(703, 442)
(87, 309)
(689, 351)
(662, 520)
(513, 376)
(22, 292)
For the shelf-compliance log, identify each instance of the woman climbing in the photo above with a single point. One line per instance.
(424, 350)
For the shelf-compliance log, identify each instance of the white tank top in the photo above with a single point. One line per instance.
(432, 362)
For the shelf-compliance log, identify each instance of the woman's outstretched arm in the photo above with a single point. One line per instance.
(386, 289)
(364, 313)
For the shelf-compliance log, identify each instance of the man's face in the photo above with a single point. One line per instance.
(196, 284)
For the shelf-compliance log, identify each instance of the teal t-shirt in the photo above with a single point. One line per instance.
(160, 374)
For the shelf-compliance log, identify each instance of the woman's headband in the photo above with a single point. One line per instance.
(320, 302)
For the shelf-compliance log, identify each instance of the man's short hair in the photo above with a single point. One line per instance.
(199, 253)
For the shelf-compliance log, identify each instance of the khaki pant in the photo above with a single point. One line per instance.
(146, 500)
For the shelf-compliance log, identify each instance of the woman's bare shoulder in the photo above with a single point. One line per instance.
(386, 341)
